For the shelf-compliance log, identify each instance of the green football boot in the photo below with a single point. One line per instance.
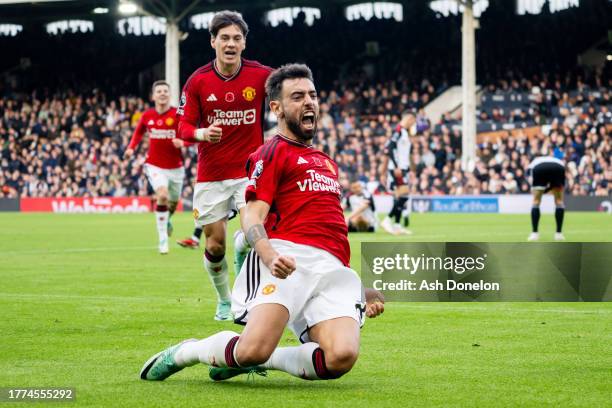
(224, 311)
(162, 365)
(239, 258)
(224, 373)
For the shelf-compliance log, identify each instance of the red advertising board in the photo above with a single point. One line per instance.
(88, 205)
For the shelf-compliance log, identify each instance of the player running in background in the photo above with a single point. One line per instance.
(193, 241)
(164, 162)
(361, 204)
(547, 174)
(394, 174)
(222, 107)
(298, 274)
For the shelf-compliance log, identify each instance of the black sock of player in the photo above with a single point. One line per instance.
(161, 208)
(392, 212)
(396, 211)
(559, 213)
(197, 233)
(406, 221)
(398, 216)
(535, 218)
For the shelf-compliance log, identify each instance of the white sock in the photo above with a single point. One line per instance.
(219, 276)
(240, 243)
(210, 351)
(296, 361)
(196, 239)
(161, 217)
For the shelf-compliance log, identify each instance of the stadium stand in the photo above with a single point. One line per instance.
(72, 145)
(534, 100)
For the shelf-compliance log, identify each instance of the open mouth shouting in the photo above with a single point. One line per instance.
(308, 121)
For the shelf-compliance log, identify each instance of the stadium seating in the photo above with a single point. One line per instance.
(72, 145)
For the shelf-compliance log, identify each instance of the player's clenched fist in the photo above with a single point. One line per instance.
(375, 302)
(210, 134)
(282, 266)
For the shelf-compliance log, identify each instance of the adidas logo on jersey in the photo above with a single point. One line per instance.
(301, 160)
(151, 122)
(211, 98)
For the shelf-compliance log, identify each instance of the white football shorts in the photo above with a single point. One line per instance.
(170, 178)
(213, 200)
(321, 288)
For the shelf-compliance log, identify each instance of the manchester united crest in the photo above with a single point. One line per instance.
(169, 121)
(249, 93)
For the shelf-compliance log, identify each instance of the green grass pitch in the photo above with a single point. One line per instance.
(86, 299)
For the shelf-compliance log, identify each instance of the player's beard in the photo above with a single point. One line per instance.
(294, 126)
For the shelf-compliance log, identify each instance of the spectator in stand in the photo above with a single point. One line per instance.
(70, 144)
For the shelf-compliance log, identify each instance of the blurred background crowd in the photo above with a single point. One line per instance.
(66, 136)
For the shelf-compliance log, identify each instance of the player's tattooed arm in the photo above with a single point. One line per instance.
(255, 233)
(255, 214)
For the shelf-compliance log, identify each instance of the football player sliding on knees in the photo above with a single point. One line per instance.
(298, 274)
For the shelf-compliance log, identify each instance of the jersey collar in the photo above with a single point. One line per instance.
(293, 142)
(223, 77)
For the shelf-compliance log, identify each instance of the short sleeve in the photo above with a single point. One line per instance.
(189, 104)
(264, 174)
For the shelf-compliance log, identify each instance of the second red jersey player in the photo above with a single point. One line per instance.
(222, 107)
(236, 105)
(299, 183)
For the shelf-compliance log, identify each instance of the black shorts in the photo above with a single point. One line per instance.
(547, 176)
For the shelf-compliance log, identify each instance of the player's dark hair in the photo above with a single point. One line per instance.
(274, 84)
(159, 83)
(408, 112)
(227, 18)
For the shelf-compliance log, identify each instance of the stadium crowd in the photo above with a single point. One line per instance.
(354, 128)
(73, 145)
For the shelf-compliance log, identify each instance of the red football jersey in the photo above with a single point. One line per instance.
(237, 103)
(301, 185)
(162, 128)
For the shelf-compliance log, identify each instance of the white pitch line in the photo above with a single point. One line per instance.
(74, 250)
(437, 306)
(127, 299)
(405, 238)
(416, 237)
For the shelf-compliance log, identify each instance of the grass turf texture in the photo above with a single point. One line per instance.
(86, 299)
